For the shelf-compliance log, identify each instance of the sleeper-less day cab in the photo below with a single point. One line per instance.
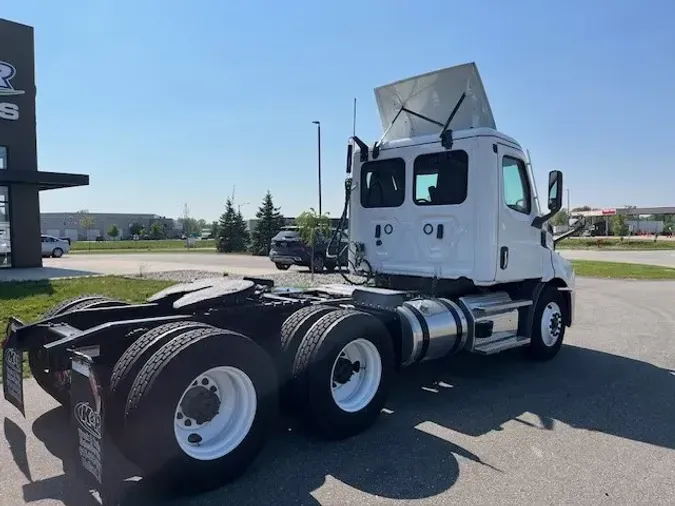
(449, 253)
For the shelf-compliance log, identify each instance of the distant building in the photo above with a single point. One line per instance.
(641, 219)
(69, 225)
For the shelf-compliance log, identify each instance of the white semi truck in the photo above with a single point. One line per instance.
(449, 253)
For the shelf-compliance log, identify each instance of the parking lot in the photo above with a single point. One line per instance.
(595, 426)
(243, 265)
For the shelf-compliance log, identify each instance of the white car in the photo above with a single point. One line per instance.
(54, 247)
(5, 252)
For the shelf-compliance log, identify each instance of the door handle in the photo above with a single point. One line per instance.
(503, 257)
(378, 231)
(439, 231)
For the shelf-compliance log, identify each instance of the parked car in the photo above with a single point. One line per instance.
(288, 249)
(54, 247)
(5, 252)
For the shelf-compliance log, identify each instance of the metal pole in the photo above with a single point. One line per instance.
(319, 149)
(318, 140)
(569, 209)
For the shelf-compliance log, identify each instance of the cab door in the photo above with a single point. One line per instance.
(381, 204)
(520, 252)
(443, 228)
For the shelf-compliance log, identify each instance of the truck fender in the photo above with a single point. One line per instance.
(536, 293)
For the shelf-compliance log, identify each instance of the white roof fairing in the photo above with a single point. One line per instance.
(434, 95)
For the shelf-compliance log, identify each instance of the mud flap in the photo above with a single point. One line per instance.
(87, 426)
(12, 367)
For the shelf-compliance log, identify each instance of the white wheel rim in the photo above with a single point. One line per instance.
(235, 414)
(357, 392)
(551, 324)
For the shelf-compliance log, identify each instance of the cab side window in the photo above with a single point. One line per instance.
(383, 183)
(441, 179)
(517, 193)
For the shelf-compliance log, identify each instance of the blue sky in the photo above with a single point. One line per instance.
(166, 102)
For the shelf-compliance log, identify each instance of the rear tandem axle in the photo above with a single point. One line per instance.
(202, 367)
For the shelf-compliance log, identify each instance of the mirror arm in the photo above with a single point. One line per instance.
(539, 221)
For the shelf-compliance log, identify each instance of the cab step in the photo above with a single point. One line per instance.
(482, 310)
(500, 344)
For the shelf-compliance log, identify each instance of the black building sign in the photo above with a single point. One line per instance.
(20, 179)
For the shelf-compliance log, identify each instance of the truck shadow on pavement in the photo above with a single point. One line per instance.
(42, 275)
(397, 458)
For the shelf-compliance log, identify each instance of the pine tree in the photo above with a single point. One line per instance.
(240, 237)
(226, 229)
(232, 233)
(270, 221)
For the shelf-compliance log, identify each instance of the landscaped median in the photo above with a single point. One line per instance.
(616, 244)
(28, 300)
(178, 245)
(166, 245)
(620, 270)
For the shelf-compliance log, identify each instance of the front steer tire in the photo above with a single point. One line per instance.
(548, 325)
(151, 411)
(314, 377)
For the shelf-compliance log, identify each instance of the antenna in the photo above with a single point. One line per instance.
(354, 119)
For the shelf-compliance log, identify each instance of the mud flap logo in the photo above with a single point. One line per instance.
(8, 111)
(13, 359)
(88, 419)
(12, 369)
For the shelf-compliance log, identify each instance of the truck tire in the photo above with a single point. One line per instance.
(298, 324)
(200, 410)
(548, 325)
(68, 303)
(293, 331)
(51, 382)
(344, 348)
(132, 361)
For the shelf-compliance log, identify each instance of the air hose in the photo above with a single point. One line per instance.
(338, 232)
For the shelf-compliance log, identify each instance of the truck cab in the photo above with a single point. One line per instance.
(450, 197)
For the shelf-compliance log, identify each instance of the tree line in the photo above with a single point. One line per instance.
(229, 231)
(232, 235)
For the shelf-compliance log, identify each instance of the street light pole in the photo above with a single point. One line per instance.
(318, 141)
(569, 210)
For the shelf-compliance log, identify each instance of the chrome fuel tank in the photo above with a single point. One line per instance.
(431, 329)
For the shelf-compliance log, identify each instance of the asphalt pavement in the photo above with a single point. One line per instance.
(665, 258)
(80, 264)
(594, 426)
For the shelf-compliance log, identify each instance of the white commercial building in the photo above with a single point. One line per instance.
(75, 226)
